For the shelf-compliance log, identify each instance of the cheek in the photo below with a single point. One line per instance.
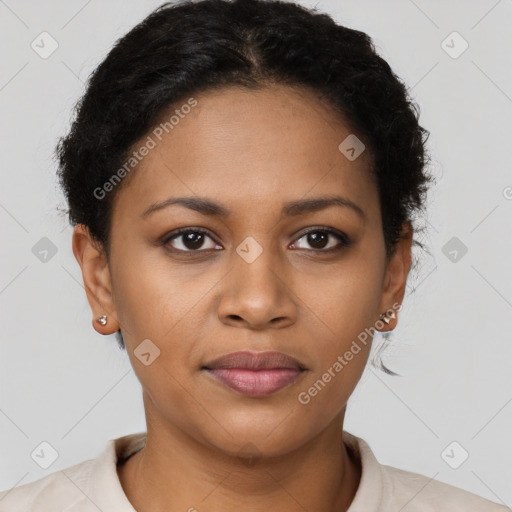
(341, 311)
(154, 297)
(343, 300)
(153, 304)
(341, 347)
(162, 303)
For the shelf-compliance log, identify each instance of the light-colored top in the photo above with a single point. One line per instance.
(93, 485)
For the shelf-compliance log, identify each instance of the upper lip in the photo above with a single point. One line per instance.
(255, 361)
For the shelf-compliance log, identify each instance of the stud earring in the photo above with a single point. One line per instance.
(386, 318)
(102, 319)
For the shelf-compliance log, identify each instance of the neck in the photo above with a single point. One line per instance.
(175, 471)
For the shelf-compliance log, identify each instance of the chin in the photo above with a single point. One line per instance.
(255, 433)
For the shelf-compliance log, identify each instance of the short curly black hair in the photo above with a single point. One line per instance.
(187, 47)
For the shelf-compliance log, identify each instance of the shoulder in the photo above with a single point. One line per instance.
(89, 486)
(424, 494)
(384, 488)
(62, 490)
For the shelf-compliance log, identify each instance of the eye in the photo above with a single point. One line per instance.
(320, 239)
(192, 240)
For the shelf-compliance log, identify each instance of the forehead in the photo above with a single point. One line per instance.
(248, 149)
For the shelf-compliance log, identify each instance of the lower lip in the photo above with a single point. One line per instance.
(255, 382)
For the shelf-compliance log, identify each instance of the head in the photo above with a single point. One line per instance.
(292, 155)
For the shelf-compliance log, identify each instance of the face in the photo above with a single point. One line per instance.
(253, 272)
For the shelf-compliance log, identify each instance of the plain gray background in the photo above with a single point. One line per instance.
(63, 383)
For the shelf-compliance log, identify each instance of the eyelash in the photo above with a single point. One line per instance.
(344, 240)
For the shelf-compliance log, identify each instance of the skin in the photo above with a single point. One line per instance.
(251, 151)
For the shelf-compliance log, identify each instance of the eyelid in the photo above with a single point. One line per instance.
(327, 229)
(344, 239)
(183, 231)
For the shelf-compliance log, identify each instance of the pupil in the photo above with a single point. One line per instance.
(193, 240)
(317, 240)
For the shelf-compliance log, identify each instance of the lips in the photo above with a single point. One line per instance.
(255, 374)
(255, 361)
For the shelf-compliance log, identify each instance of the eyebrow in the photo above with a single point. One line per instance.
(208, 207)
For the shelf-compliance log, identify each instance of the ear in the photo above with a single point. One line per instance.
(96, 276)
(395, 279)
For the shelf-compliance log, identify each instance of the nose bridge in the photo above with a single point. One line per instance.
(256, 292)
(256, 265)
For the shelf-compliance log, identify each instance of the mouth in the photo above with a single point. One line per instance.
(255, 374)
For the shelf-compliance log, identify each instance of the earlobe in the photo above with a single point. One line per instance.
(96, 277)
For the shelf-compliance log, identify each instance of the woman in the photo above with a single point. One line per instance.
(242, 178)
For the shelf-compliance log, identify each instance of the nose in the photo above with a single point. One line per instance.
(257, 295)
